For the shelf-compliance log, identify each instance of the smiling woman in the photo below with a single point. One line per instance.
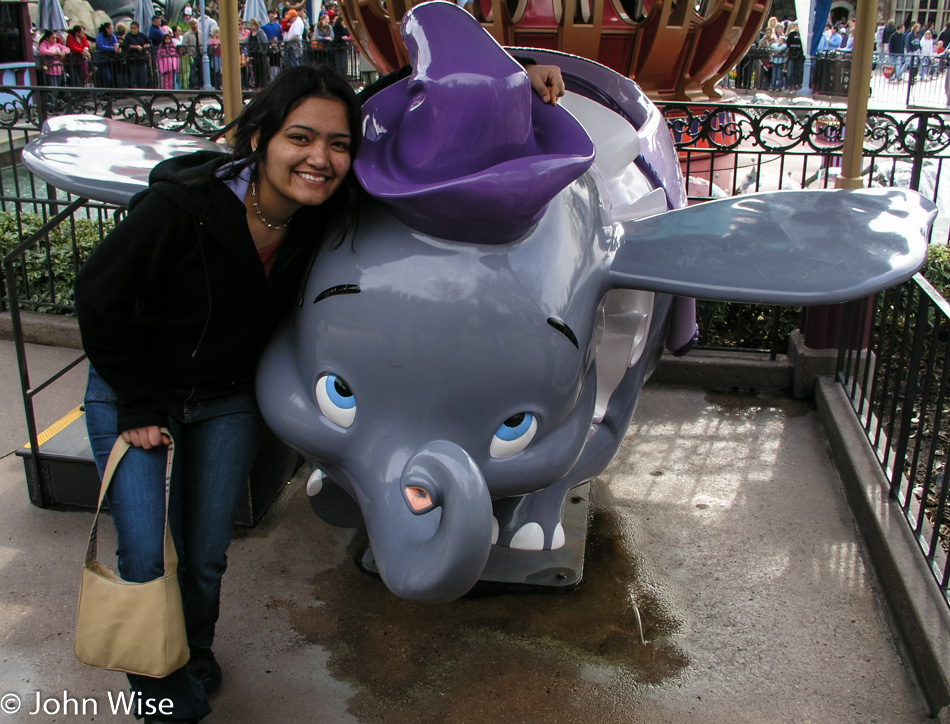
(174, 308)
(305, 164)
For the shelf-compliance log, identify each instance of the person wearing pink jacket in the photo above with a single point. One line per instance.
(166, 60)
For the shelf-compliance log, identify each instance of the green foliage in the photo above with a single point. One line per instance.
(937, 268)
(746, 326)
(45, 273)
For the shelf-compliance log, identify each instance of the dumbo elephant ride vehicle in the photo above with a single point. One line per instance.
(474, 349)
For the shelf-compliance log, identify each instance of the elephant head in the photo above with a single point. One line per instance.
(427, 378)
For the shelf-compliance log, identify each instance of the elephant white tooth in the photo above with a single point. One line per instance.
(315, 482)
(494, 530)
(558, 539)
(529, 537)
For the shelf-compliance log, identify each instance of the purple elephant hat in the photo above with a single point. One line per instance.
(463, 149)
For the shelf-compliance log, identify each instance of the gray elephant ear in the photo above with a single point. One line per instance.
(102, 159)
(782, 247)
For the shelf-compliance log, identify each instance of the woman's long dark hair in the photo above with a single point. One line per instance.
(268, 110)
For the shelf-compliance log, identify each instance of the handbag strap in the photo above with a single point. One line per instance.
(118, 451)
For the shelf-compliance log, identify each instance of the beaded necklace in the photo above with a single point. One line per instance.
(260, 216)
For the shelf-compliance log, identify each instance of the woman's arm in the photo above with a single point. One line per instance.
(111, 289)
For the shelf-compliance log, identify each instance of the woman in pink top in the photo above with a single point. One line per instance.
(51, 52)
(166, 60)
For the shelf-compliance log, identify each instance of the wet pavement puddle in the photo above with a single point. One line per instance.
(747, 405)
(495, 656)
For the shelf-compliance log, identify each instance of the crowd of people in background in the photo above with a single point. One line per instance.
(169, 56)
(913, 49)
(776, 60)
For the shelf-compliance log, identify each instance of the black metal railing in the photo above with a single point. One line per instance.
(893, 365)
(181, 67)
(34, 256)
(725, 149)
(896, 79)
(729, 149)
(43, 271)
(755, 71)
(40, 275)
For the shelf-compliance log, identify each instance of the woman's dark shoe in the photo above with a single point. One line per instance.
(205, 669)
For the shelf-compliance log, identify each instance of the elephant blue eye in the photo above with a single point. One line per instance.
(336, 400)
(513, 435)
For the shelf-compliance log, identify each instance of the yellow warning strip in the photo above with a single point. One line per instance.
(57, 427)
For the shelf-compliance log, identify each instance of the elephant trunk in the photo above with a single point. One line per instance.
(445, 565)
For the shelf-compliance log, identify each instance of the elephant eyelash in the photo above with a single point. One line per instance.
(340, 289)
(561, 326)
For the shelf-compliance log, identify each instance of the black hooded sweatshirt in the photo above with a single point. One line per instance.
(176, 295)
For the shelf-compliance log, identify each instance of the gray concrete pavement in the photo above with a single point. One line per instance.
(721, 520)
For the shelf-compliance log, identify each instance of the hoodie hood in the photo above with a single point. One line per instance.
(186, 180)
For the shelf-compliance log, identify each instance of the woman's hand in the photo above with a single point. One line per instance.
(547, 82)
(145, 437)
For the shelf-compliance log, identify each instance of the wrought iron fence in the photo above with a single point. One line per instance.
(731, 149)
(913, 80)
(44, 272)
(754, 71)
(893, 365)
(725, 149)
(181, 67)
(896, 79)
(24, 110)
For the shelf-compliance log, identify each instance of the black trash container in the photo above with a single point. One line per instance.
(841, 75)
(819, 72)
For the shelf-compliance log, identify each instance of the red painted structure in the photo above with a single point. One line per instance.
(672, 49)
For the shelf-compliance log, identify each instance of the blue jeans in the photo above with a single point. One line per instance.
(793, 72)
(897, 60)
(293, 52)
(778, 82)
(216, 438)
(139, 74)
